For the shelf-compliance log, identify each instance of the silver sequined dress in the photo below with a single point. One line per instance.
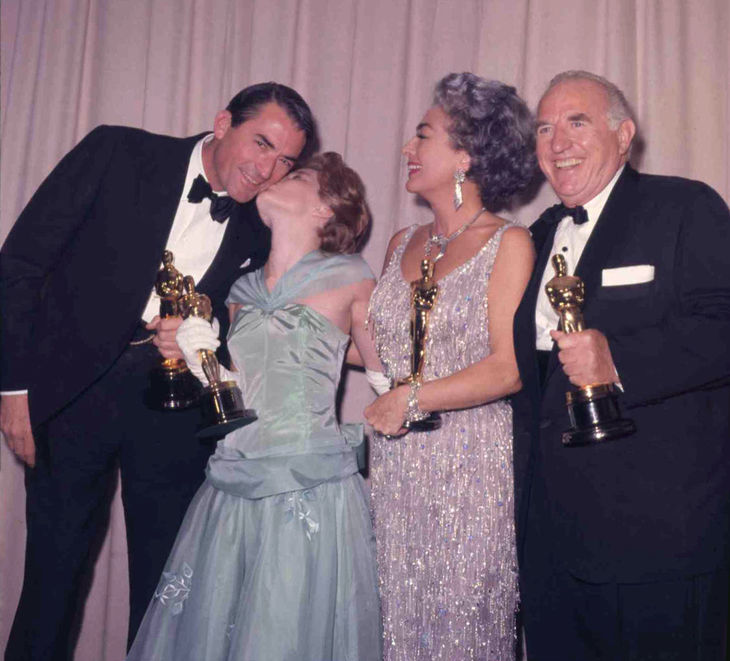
(442, 500)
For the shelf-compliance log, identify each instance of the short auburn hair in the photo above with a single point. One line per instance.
(342, 190)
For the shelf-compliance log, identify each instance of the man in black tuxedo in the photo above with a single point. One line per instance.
(623, 545)
(76, 277)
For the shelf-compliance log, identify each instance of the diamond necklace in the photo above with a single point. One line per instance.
(442, 241)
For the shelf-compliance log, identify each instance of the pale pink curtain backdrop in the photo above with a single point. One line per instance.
(367, 67)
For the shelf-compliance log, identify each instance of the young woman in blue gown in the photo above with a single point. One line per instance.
(275, 557)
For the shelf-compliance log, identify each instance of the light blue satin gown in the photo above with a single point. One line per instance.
(275, 557)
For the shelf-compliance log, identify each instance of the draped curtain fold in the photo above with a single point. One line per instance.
(367, 68)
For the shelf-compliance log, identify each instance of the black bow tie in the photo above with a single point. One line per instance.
(221, 206)
(560, 211)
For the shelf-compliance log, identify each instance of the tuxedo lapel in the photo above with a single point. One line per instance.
(160, 187)
(612, 229)
(543, 233)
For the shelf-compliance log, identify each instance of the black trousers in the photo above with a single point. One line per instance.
(161, 465)
(566, 619)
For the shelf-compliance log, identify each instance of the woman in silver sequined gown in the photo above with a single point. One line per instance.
(443, 500)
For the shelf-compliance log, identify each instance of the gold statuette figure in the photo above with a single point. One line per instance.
(172, 386)
(424, 293)
(221, 402)
(593, 410)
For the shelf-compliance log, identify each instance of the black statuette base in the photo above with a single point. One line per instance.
(171, 390)
(222, 408)
(431, 423)
(595, 417)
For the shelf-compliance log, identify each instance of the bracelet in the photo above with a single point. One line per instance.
(413, 413)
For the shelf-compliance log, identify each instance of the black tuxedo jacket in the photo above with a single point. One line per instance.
(656, 503)
(79, 264)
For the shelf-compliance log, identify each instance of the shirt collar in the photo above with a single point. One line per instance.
(595, 206)
(195, 167)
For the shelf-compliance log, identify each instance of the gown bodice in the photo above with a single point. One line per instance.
(289, 360)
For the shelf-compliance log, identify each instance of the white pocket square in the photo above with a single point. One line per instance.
(245, 264)
(627, 275)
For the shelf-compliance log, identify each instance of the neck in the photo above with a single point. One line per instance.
(287, 248)
(207, 158)
(447, 219)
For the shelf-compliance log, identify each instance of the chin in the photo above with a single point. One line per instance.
(261, 204)
(410, 187)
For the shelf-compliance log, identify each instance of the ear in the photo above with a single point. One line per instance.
(464, 160)
(625, 132)
(323, 213)
(222, 123)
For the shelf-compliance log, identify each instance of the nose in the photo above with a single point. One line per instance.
(559, 140)
(265, 165)
(410, 147)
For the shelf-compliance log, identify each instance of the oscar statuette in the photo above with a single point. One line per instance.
(172, 386)
(594, 409)
(424, 293)
(221, 402)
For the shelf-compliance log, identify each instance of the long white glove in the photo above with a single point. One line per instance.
(195, 334)
(378, 381)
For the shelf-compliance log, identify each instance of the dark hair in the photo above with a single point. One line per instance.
(495, 127)
(247, 103)
(341, 188)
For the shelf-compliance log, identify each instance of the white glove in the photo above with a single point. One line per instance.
(378, 381)
(195, 334)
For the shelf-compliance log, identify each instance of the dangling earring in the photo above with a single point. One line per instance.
(459, 179)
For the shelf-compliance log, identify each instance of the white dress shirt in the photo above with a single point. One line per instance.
(570, 240)
(195, 237)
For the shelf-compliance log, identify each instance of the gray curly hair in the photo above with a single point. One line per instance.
(495, 127)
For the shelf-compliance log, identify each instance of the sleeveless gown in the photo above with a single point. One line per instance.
(275, 557)
(442, 500)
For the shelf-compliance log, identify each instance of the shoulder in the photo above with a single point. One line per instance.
(670, 189)
(140, 142)
(400, 237)
(512, 231)
(353, 267)
(515, 243)
(666, 196)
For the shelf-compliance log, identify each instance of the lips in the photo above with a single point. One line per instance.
(413, 168)
(564, 163)
(249, 180)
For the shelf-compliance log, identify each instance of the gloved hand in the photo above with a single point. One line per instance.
(193, 335)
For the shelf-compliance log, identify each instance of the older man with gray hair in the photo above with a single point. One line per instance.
(624, 543)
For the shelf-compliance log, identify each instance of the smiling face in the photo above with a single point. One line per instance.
(294, 198)
(577, 149)
(244, 160)
(432, 160)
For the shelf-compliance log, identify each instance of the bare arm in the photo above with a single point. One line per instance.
(362, 340)
(491, 378)
(353, 354)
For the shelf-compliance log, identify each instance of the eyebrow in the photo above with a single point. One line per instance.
(270, 145)
(423, 125)
(579, 117)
